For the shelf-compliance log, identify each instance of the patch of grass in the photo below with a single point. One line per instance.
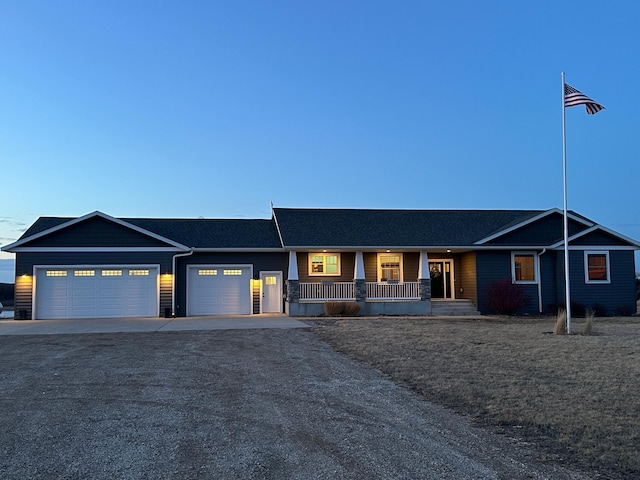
(574, 397)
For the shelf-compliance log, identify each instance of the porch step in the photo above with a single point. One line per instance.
(453, 308)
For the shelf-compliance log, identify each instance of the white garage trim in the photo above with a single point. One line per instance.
(219, 289)
(96, 291)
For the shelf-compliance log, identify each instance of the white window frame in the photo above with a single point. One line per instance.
(401, 280)
(324, 255)
(536, 268)
(586, 266)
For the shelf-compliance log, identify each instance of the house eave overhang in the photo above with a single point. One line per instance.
(239, 250)
(94, 249)
(13, 247)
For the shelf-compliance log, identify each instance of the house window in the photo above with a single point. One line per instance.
(324, 264)
(139, 273)
(523, 267)
(390, 267)
(84, 273)
(232, 272)
(111, 273)
(56, 273)
(596, 267)
(207, 272)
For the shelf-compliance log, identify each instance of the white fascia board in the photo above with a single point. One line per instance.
(12, 247)
(531, 220)
(94, 249)
(275, 219)
(239, 250)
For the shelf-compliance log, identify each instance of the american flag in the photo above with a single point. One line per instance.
(573, 97)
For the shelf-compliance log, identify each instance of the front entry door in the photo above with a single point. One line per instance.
(441, 273)
(271, 292)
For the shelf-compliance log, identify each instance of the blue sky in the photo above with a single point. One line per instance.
(216, 109)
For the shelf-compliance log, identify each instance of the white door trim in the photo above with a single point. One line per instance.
(263, 275)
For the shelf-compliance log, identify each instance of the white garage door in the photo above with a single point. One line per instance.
(103, 292)
(216, 290)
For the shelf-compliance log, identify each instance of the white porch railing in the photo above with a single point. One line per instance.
(328, 291)
(393, 291)
(347, 291)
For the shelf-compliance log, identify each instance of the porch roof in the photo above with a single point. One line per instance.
(300, 227)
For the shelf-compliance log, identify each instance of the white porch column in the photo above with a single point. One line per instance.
(358, 273)
(292, 274)
(423, 267)
(358, 278)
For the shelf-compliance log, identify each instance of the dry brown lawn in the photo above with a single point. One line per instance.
(576, 398)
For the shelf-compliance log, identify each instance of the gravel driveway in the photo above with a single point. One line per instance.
(227, 404)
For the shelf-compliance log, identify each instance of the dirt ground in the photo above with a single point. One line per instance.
(573, 397)
(229, 404)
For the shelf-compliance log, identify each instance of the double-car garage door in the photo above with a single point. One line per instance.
(96, 292)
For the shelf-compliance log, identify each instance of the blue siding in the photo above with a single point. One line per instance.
(492, 266)
(616, 297)
(96, 232)
(549, 281)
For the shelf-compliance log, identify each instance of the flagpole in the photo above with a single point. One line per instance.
(566, 223)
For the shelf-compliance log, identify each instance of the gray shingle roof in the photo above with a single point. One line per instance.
(199, 233)
(384, 228)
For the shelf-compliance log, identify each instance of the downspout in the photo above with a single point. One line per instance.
(540, 281)
(175, 278)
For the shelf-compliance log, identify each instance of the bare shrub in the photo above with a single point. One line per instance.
(561, 323)
(341, 308)
(589, 316)
(351, 309)
(505, 297)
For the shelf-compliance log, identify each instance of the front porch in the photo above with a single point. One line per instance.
(351, 281)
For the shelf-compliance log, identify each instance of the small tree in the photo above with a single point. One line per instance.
(506, 297)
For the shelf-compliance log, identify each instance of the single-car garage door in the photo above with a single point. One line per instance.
(101, 292)
(216, 290)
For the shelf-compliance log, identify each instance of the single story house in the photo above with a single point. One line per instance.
(392, 262)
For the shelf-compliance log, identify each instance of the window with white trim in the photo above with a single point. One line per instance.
(324, 264)
(390, 267)
(524, 267)
(596, 267)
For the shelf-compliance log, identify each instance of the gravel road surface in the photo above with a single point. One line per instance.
(228, 404)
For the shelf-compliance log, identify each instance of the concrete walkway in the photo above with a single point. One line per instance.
(122, 325)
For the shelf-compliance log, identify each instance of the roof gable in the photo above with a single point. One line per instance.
(542, 230)
(95, 230)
